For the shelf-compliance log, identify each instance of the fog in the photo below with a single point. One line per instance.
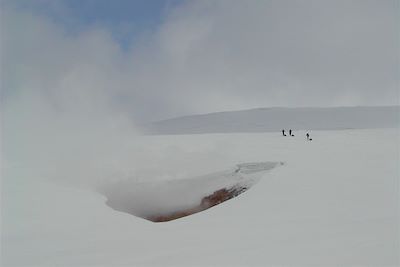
(70, 101)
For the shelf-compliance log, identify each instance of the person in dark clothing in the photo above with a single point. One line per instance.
(283, 132)
(290, 132)
(308, 136)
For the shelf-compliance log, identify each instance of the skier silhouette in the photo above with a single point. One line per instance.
(283, 132)
(290, 132)
(308, 137)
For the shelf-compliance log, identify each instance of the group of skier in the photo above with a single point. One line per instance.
(291, 134)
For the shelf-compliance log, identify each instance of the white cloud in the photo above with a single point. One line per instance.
(211, 56)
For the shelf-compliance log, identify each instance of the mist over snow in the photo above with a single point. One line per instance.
(75, 94)
(61, 110)
(77, 91)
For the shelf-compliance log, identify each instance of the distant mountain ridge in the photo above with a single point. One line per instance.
(278, 118)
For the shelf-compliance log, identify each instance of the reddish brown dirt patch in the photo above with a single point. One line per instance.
(207, 202)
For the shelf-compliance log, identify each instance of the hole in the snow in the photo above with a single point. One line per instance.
(207, 202)
(169, 200)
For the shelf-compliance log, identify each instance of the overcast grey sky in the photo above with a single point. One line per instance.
(204, 56)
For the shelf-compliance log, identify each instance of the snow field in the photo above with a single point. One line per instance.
(335, 201)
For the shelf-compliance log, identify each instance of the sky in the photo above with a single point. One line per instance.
(125, 19)
(151, 60)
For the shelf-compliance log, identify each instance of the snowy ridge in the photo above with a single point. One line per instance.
(276, 119)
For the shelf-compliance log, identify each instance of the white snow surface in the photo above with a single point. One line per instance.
(335, 201)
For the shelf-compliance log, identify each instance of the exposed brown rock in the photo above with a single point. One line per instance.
(209, 201)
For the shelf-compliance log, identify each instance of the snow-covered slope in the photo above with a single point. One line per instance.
(335, 201)
(276, 119)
